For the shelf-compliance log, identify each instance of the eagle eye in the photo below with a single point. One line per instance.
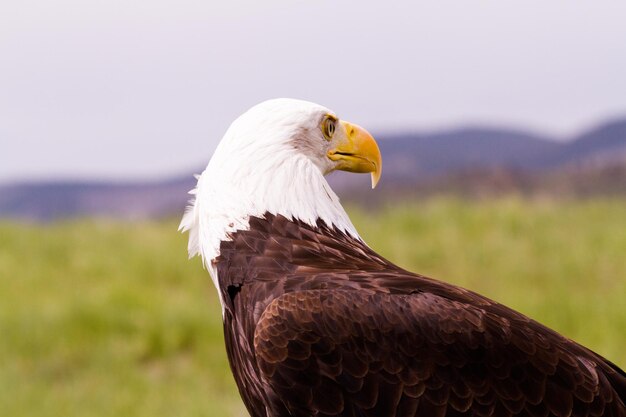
(328, 127)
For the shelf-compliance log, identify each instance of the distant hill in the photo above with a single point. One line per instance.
(479, 148)
(438, 153)
(607, 142)
(467, 161)
(53, 200)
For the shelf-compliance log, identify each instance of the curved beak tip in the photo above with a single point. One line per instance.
(375, 178)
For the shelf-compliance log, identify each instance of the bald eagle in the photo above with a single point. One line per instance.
(318, 324)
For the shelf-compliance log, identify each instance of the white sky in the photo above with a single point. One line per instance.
(119, 89)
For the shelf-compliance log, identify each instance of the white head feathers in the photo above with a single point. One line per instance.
(273, 158)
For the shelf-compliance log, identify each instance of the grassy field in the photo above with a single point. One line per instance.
(102, 318)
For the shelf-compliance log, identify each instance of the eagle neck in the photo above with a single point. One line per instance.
(227, 196)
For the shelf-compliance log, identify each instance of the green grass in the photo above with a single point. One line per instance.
(103, 318)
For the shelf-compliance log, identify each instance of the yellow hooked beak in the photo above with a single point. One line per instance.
(356, 151)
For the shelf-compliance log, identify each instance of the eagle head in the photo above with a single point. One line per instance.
(272, 159)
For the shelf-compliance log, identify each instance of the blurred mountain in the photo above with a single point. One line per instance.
(463, 149)
(471, 162)
(54, 200)
(607, 142)
(434, 154)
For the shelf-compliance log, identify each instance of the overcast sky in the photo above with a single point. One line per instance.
(118, 89)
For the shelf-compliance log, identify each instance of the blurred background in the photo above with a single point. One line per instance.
(503, 133)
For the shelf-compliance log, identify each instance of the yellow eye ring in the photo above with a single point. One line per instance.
(329, 126)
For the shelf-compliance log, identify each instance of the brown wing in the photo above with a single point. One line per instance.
(358, 353)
